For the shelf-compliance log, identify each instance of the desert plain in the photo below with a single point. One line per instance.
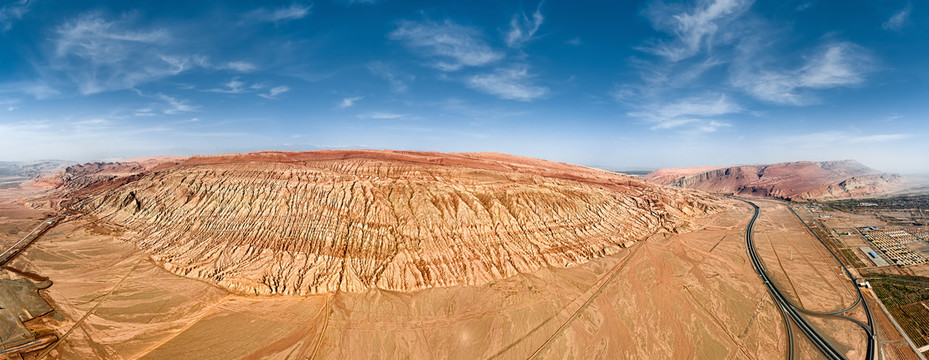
(681, 291)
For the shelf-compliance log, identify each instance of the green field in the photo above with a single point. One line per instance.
(855, 260)
(907, 302)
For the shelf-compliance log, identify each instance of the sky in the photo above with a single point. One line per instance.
(622, 85)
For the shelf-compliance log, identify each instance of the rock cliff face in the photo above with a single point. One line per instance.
(302, 223)
(803, 180)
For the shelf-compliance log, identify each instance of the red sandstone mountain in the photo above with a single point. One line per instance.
(802, 180)
(311, 222)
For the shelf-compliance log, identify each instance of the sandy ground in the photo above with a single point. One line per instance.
(892, 342)
(692, 295)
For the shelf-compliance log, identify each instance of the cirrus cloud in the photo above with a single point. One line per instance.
(510, 83)
(452, 46)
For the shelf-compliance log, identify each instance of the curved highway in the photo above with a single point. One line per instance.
(795, 313)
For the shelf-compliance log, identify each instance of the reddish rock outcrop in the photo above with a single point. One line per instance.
(313, 222)
(802, 180)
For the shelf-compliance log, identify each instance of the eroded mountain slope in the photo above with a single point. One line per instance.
(301, 223)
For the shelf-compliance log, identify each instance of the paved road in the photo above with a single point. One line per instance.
(14, 249)
(794, 312)
(872, 349)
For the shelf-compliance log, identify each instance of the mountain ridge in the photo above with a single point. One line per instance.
(298, 223)
(797, 180)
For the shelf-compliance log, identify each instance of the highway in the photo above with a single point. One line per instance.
(796, 314)
(14, 249)
(869, 327)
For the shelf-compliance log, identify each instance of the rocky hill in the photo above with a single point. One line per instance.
(802, 180)
(322, 221)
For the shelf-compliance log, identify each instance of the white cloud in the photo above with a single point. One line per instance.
(292, 12)
(898, 20)
(693, 28)
(144, 112)
(95, 122)
(827, 138)
(349, 102)
(839, 64)
(102, 55)
(278, 90)
(381, 115)
(12, 12)
(511, 83)
(836, 64)
(38, 89)
(804, 6)
(453, 46)
(234, 86)
(522, 28)
(711, 126)
(878, 138)
(696, 113)
(275, 91)
(176, 105)
(240, 66)
(384, 71)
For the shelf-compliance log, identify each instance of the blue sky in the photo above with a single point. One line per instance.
(620, 85)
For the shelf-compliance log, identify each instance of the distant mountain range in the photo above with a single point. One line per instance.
(32, 168)
(801, 180)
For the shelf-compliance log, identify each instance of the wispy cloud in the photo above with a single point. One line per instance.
(37, 88)
(836, 64)
(697, 42)
(11, 13)
(382, 115)
(274, 92)
(9, 104)
(176, 105)
(692, 29)
(828, 138)
(144, 112)
(93, 124)
(237, 86)
(234, 86)
(510, 83)
(166, 104)
(101, 55)
(397, 81)
(898, 20)
(240, 66)
(349, 102)
(453, 46)
(523, 28)
(695, 113)
(292, 12)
